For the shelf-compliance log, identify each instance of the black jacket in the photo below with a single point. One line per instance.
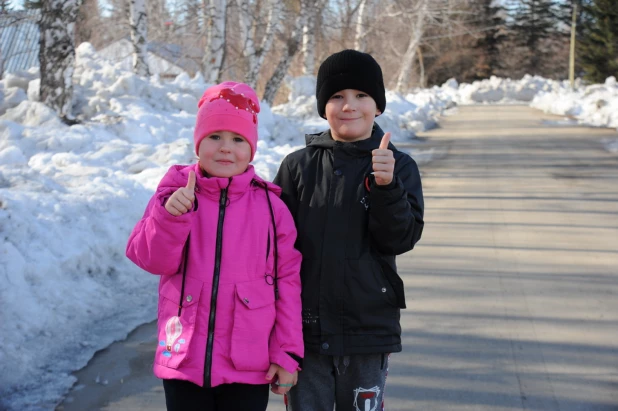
(349, 231)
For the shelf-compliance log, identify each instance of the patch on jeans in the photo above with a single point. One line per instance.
(367, 399)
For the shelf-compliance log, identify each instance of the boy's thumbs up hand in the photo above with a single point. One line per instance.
(383, 162)
(181, 201)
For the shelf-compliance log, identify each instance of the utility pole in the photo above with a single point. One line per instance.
(572, 52)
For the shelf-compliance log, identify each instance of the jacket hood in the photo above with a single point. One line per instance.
(362, 147)
(178, 175)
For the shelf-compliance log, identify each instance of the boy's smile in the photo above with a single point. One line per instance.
(350, 115)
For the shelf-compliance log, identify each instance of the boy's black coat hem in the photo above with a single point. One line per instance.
(349, 236)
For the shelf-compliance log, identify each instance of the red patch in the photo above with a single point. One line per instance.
(367, 395)
(239, 101)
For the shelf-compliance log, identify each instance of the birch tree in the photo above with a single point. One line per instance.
(292, 46)
(255, 54)
(57, 54)
(314, 12)
(416, 35)
(360, 40)
(138, 22)
(215, 15)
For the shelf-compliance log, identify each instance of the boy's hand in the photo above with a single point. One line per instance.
(181, 201)
(383, 162)
(285, 380)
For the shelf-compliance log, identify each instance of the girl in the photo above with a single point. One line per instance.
(229, 318)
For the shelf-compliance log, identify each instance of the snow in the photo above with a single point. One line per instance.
(69, 196)
(595, 105)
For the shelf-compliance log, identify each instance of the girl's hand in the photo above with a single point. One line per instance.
(285, 380)
(383, 162)
(181, 201)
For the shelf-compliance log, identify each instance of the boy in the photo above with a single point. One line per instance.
(357, 202)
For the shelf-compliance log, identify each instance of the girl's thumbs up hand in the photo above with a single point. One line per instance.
(181, 201)
(383, 162)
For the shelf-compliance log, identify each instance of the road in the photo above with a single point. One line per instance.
(512, 292)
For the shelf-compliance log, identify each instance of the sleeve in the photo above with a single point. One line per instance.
(157, 241)
(286, 181)
(286, 346)
(396, 212)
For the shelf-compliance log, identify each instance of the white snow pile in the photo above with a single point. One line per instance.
(595, 105)
(69, 196)
(504, 90)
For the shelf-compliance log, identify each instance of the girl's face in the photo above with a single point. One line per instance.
(224, 154)
(350, 114)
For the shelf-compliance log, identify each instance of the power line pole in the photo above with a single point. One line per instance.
(572, 51)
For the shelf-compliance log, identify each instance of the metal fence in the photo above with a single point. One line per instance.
(19, 40)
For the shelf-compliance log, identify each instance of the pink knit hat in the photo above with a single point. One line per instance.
(228, 106)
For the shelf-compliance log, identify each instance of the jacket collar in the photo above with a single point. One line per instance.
(212, 186)
(358, 148)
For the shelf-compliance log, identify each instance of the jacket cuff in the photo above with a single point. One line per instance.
(388, 193)
(388, 186)
(284, 360)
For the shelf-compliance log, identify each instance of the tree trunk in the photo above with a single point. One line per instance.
(360, 42)
(57, 54)
(293, 43)
(415, 38)
(421, 65)
(255, 55)
(214, 13)
(139, 26)
(308, 49)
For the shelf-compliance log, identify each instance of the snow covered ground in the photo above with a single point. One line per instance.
(69, 197)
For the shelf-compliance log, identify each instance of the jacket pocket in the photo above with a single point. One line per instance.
(395, 282)
(254, 319)
(176, 332)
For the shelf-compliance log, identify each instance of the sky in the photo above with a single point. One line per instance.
(69, 196)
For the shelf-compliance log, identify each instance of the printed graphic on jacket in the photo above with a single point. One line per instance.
(173, 330)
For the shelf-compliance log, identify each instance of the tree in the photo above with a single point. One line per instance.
(214, 56)
(417, 31)
(598, 49)
(57, 54)
(360, 39)
(5, 6)
(139, 26)
(533, 22)
(292, 46)
(490, 26)
(309, 38)
(255, 54)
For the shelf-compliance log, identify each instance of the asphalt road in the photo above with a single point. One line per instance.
(512, 292)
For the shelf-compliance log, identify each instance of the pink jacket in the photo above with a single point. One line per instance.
(249, 329)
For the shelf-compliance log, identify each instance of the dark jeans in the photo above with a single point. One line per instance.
(348, 383)
(186, 396)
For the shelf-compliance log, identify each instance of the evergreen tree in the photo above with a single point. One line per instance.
(598, 48)
(533, 22)
(492, 25)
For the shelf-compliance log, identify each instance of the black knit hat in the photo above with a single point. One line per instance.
(349, 69)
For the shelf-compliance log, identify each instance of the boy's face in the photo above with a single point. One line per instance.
(350, 115)
(224, 154)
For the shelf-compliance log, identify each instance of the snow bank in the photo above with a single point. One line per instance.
(501, 90)
(69, 196)
(595, 105)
